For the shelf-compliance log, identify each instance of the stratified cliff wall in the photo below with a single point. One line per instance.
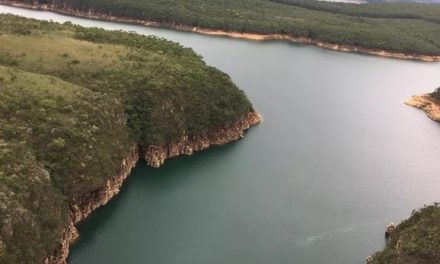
(156, 155)
(86, 204)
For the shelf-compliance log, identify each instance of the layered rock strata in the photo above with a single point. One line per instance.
(83, 206)
(155, 155)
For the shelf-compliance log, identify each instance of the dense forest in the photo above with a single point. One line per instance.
(381, 10)
(73, 102)
(408, 28)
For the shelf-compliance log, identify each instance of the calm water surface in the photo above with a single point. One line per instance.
(337, 158)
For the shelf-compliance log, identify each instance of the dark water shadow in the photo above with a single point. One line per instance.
(153, 180)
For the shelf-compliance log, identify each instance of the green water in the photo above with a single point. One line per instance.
(338, 157)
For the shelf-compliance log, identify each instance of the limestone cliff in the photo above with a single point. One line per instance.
(155, 155)
(427, 104)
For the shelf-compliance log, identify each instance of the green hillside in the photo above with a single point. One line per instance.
(408, 28)
(73, 102)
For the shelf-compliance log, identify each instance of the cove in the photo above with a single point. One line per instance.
(338, 157)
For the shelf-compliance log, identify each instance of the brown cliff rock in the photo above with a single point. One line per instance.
(156, 155)
(427, 104)
(85, 205)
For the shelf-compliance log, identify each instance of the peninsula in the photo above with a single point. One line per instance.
(430, 103)
(79, 107)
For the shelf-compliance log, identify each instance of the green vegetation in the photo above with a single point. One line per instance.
(381, 10)
(407, 28)
(436, 95)
(415, 241)
(73, 101)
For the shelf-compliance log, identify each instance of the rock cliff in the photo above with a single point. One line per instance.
(427, 104)
(155, 155)
(82, 207)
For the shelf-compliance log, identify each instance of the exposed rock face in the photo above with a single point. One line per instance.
(85, 205)
(155, 155)
(427, 104)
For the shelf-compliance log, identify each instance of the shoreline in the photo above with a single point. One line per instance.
(82, 207)
(155, 156)
(223, 33)
(427, 104)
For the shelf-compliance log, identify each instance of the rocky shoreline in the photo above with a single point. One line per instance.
(232, 34)
(84, 206)
(426, 103)
(155, 156)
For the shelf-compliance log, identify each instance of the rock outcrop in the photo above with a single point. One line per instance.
(155, 155)
(427, 104)
(82, 207)
(390, 229)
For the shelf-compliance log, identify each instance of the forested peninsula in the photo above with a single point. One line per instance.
(78, 107)
(405, 31)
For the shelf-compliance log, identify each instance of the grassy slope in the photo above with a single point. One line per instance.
(408, 28)
(73, 102)
(167, 90)
(416, 240)
(52, 134)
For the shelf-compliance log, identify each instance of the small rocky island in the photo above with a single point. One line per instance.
(79, 107)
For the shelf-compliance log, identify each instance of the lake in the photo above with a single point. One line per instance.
(338, 157)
